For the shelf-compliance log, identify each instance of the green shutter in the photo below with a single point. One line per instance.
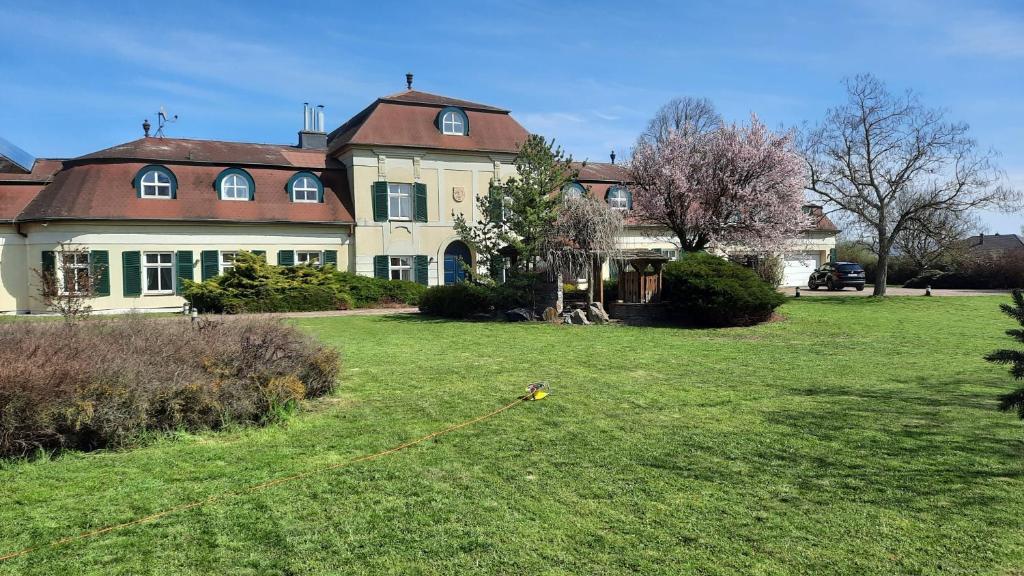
(629, 199)
(497, 268)
(421, 268)
(495, 207)
(131, 272)
(261, 253)
(286, 258)
(419, 202)
(380, 267)
(331, 258)
(99, 264)
(183, 267)
(209, 260)
(380, 201)
(49, 262)
(832, 255)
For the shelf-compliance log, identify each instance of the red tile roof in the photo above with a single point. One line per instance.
(602, 172)
(407, 119)
(17, 190)
(99, 186)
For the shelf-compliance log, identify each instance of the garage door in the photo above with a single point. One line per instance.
(798, 267)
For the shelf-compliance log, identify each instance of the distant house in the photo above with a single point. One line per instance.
(994, 245)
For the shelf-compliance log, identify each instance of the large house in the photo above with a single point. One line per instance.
(376, 196)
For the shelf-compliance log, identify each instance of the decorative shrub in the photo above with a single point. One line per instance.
(710, 291)
(456, 301)
(1004, 271)
(255, 286)
(113, 381)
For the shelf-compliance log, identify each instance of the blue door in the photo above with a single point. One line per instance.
(455, 255)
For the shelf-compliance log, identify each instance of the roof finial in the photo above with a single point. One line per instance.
(408, 80)
(613, 156)
(145, 127)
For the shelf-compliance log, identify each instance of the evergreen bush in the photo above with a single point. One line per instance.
(709, 291)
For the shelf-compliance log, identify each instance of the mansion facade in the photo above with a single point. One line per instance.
(376, 196)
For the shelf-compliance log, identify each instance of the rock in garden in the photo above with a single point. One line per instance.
(519, 315)
(578, 317)
(596, 314)
(550, 314)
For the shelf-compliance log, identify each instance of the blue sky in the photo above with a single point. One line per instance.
(77, 77)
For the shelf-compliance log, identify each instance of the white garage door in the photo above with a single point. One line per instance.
(797, 268)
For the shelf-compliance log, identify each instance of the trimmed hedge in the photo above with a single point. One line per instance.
(255, 286)
(709, 291)
(457, 301)
(991, 272)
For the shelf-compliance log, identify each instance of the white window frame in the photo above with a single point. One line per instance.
(153, 187)
(618, 199)
(302, 257)
(227, 263)
(310, 192)
(158, 265)
(453, 124)
(234, 183)
(63, 268)
(402, 265)
(397, 191)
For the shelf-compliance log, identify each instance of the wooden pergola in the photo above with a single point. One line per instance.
(640, 276)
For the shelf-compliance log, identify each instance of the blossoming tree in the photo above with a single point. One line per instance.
(731, 185)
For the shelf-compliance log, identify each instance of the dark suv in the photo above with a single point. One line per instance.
(837, 275)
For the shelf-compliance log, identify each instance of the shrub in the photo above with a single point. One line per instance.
(116, 380)
(456, 301)
(996, 272)
(711, 291)
(255, 286)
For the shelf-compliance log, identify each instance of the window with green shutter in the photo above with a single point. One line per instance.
(183, 268)
(210, 262)
(99, 267)
(131, 272)
(261, 254)
(380, 267)
(419, 201)
(286, 258)
(49, 261)
(380, 201)
(331, 258)
(422, 270)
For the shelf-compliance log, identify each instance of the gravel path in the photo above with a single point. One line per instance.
(893, 291)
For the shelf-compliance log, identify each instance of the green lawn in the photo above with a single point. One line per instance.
(856, 437)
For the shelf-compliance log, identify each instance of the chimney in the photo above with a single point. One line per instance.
(312, 134)
(613, 156)
(981, 239)
(145, 127)
(408, 80)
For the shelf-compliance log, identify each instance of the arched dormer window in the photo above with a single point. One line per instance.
(619, 198)
(573, 190)
(155, 181)
(305, 187)
(235, 184)
(453, 121)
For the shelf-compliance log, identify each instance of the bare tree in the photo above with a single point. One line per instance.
(889, 161)
(688, 115)
(67, 285)
(935, 238)
(585, 233)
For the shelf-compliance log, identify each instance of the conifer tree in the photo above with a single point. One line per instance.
(1015, 358)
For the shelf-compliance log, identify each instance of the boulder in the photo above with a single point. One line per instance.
(550, 314)
(578, 317)
(519, 315)
(596, 313)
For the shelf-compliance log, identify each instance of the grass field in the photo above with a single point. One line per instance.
(855, 437)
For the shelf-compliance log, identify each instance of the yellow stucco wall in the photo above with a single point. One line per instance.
(442, 174)
(117, 238)
(13, 269)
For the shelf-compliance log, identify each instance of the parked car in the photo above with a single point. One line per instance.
(837, 275)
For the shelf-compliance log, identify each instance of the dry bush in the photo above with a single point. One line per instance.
(103, 383)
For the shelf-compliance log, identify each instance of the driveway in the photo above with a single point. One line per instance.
(892, 291)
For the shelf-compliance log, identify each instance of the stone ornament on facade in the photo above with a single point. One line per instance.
(458, 193)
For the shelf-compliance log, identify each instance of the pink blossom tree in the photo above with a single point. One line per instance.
(731, 185)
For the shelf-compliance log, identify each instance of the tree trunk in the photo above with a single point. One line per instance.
(882, 271)
(590, 283)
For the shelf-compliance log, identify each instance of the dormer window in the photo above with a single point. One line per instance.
(155, 182)
(305, 187)
(453, 121)
(235, 184)
(619, 198)
(573, 190)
